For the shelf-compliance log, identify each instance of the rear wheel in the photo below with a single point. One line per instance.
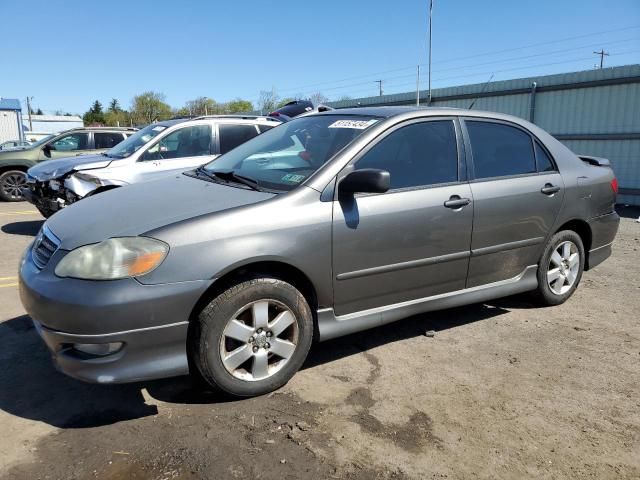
(11, 184)
(560, 268)
(252, 338)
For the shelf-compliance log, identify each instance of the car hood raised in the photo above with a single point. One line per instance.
(48, 169)
(139, 208)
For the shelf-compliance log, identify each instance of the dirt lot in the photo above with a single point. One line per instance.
(502, 390)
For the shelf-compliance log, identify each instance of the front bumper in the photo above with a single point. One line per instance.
(33, 194)
(151, 322)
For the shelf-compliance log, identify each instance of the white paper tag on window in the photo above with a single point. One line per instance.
(159, 128)
(357, 124)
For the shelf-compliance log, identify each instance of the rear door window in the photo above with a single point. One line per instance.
(500, 150)
(106, 139)
(232, 135)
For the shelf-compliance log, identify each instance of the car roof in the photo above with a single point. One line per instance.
(408, 112)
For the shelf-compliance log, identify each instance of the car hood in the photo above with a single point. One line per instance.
(49, 169)
(142, 207)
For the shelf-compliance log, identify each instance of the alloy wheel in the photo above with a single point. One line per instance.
(563, 268)
(12, 185)
(259, 340)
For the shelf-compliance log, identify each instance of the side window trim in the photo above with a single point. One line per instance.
(349, 167)
(467, 142)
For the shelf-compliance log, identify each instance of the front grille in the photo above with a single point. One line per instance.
(44, 247)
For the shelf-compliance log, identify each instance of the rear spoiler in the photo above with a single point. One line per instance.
(595, 161)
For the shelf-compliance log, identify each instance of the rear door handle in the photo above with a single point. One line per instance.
(455, 201)
(550, 189)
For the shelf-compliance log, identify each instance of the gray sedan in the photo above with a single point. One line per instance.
(328, 225)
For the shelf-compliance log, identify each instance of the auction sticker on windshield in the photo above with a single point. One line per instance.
(357, 124)
(293, 178)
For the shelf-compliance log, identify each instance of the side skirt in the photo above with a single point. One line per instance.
(332, 326)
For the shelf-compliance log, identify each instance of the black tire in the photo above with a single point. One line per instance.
(11, 181)
(545, 295)
(208, 333)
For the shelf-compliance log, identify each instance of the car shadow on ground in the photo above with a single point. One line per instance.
(30, 386)
(628, 211)
(29, 229)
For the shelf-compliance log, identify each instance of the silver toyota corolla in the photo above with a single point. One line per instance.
(327, 225)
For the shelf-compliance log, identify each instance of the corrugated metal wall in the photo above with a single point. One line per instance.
(594, 112)
(9, 125)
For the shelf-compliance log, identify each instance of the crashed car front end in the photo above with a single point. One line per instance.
(53, 190)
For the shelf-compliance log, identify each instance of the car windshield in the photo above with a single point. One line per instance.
(285, 156)
(135, 141)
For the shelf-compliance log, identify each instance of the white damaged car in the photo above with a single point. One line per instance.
(158, 150)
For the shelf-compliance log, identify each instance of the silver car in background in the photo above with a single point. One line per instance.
(158, 150)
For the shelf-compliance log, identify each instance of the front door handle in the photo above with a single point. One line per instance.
(550, 189)
(455, 201)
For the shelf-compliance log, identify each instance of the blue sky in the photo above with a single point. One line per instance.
(67, 53)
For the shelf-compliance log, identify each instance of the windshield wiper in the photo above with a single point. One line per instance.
(230, 175)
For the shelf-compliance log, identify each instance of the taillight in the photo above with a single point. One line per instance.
(614, 185)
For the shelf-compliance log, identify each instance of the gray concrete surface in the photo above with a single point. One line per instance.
(502, 390)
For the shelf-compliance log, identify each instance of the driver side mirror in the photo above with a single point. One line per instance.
(367, 180)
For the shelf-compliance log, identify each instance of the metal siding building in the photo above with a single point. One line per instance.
(10, 120)
(47, 124)
(594, 112)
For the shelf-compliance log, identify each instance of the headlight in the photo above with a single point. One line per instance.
(114, 258)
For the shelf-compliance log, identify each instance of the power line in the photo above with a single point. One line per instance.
(467, 67)
(496, 52)
(562, 62)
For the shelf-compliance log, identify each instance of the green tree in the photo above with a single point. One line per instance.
(95, 115)
(39, 112)
(239, 106)
(149, 107)
(202, 106)
(318, 98)
(114, 106)
(268, 101)
(116, 116)
(181, 112)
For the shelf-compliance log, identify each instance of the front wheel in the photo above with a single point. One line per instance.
(252, 338)
(560, 268)
(11, 184)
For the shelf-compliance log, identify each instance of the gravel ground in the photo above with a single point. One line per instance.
(502, 390)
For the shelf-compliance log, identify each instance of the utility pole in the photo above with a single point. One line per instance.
(379, 82)
(430, 15)
(29, 112)
(602, 54)
(418, 87)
